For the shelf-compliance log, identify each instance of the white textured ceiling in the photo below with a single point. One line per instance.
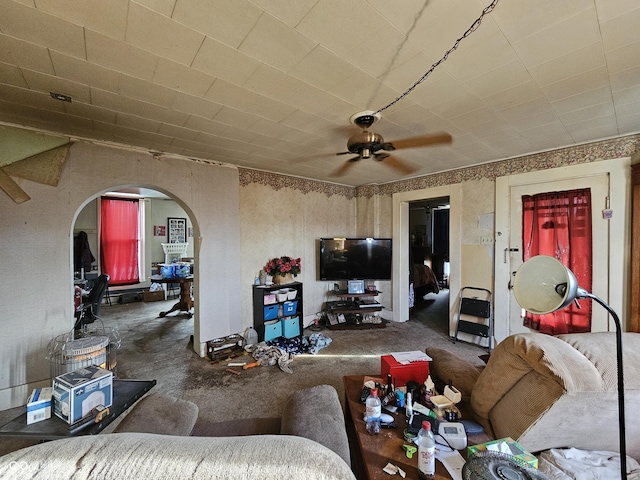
(271, 84)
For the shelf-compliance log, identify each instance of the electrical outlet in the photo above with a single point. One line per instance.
(486, 240)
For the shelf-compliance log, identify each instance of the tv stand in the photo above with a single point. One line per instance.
(354, 311)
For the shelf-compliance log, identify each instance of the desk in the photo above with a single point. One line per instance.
(185, 303)
(125, 394)
(370, 453)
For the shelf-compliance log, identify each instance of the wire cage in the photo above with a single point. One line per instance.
(174, 251)
(67, 354)
(73, 350)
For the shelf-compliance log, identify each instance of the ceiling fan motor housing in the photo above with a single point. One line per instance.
(365, 143)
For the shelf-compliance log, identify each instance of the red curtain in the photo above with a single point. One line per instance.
(119, 240)
(559, 224)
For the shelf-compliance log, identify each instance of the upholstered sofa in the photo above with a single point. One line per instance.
(312, 445)
(551, 392)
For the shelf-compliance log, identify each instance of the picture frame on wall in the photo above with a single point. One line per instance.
(177, 230)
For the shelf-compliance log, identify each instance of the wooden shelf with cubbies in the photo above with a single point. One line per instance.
(277, 311)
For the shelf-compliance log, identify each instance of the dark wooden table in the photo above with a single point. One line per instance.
(125, 394)
(185, 303)
(370, 453)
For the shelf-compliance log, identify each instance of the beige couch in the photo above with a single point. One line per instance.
(552, 392)
(313, 445)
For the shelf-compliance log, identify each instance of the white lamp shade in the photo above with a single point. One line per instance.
(543, 285)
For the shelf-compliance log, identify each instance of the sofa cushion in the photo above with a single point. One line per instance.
(161, 414)
(316, 413)
(141, 455)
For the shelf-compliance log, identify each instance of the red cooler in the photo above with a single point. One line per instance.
(401, 373)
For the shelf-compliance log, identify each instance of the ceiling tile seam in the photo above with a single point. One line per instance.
(195, 55)
(606, 64)
(564, 20)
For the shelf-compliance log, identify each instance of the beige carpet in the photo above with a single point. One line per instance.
(160, 349)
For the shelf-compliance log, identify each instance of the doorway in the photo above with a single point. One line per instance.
(429, 262)
(157, 210)
(402, 246)
(607, 180)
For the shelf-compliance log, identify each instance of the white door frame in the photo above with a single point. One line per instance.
(619, 181)
(400, 289)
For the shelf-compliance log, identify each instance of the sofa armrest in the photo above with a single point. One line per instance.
(559, 368)
(316, 413)
(446, 366)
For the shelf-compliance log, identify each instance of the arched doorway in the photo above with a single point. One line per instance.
(158, 210)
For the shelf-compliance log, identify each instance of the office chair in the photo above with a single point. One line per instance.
(90, 311)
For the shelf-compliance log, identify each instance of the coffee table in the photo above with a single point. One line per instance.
(125, 394)
(370, 453)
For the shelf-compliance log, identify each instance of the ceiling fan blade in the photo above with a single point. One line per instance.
(344, 167)
(12, 189)
(399, 165)
(421, 141)
(343, 153)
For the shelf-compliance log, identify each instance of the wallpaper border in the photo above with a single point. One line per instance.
(590, 152)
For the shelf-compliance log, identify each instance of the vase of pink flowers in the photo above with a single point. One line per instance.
(283, 269)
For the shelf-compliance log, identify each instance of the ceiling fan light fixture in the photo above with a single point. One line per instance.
(365, 153)
(365, 118)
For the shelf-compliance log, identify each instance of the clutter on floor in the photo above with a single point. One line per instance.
(281, 350)
(576, 464)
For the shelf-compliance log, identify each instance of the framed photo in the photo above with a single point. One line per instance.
(177, 230)
(355, 286)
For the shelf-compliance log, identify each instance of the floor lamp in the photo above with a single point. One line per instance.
(543, 285)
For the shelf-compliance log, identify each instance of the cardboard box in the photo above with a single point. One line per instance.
(401, 374)
(39, 405)
(148, 296)
(506, 445)
(76, 393)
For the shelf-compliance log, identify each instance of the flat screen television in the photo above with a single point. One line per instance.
(355, 258)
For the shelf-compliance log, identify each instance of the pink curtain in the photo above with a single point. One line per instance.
(559, 224)
(119, 240)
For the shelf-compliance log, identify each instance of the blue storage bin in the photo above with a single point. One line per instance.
(270, 312)
(291, 327)
(289, 308)
(272, 330)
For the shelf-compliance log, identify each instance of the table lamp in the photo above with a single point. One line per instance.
(543, 285)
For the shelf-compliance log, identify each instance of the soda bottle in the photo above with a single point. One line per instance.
(426, 452)
(373, 412)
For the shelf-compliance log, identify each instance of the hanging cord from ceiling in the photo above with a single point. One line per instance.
(469, 31)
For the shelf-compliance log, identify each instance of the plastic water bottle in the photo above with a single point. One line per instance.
(426, 452)
(373, 412)
(250, 336)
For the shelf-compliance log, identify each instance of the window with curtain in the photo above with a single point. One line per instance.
(558, 224)
(119, 240)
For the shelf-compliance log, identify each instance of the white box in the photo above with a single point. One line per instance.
(39, 405)
(76, 393)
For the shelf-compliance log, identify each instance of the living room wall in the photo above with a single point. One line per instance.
(282, 215)
(37, 244)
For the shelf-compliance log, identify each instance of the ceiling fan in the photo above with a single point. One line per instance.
(368, 144)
